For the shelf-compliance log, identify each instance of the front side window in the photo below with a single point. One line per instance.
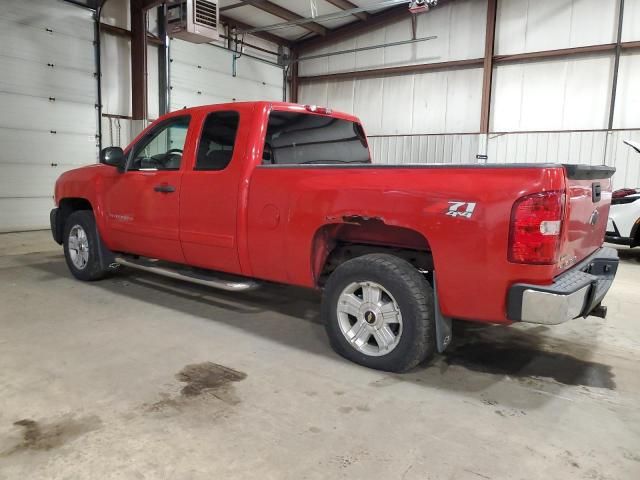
(303, 138)
(162, 148)
(217, 140)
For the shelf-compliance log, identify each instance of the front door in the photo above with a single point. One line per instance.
(143, 203)
(210, 193)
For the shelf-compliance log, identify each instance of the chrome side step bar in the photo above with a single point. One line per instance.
(193, 277)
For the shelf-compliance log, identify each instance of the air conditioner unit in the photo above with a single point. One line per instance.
(194, 21)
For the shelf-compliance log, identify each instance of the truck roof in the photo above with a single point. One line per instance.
(286, 106)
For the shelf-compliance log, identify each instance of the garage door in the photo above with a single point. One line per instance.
(47, 104)
(201, 74)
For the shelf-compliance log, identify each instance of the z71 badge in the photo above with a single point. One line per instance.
(461, 209)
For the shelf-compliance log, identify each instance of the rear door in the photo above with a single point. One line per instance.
(211, 190)
(588, 202)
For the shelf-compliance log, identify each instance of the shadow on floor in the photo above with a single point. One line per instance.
(628, 255)
(481, 356)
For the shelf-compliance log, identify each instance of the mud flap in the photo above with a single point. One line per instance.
(444, 329)
(106, 257)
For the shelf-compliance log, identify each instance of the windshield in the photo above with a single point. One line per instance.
(303, 138)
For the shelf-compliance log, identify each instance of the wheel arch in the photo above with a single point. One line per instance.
(336, 243)
(66, 206)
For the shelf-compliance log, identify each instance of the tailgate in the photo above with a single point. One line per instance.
(587, 210)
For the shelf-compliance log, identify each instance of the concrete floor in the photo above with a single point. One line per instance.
(145, 378)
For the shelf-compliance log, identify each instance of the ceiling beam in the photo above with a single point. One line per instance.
(357, 28)
(269, 37)
(347, 5)
(241, 3)
(281, 12)
(373, 21)
(149, 4)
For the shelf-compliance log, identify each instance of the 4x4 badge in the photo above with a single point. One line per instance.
(461, 209)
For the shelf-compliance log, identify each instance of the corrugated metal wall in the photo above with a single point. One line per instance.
(592, 148)
(424, 149)
(434, 117)
(201, 74)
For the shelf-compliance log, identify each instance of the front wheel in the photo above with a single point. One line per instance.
(81, 246)
(378, 312)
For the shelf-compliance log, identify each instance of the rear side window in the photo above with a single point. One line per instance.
(303, 138)
(217, 140)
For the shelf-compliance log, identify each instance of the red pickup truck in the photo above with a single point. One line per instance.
(235, 194)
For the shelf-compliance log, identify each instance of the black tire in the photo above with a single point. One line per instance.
(412, 294)
(93, 269)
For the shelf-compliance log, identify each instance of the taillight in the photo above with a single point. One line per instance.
(536, 225)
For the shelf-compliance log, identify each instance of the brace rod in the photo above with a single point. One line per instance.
(361, 49)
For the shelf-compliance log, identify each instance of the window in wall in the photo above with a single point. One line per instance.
(217, 140)
(161, 149)
(303, 138)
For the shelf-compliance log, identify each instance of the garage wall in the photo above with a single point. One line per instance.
(202, 74)
(47, 105)
(198, 74)
(543, 110)
(414, 110)
(116, 76)
(589, 147)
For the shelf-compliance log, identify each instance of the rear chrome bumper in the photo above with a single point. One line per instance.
(575, 293)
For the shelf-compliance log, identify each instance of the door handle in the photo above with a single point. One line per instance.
(164, 188)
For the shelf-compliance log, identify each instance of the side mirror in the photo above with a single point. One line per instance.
(113, 156)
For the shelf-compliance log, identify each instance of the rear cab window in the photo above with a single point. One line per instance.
(217, 140)
(295, 138)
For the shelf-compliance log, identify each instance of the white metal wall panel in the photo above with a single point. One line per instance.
(536, 25)
(202, 74)
(464, 101)
(631, 27)
(548, 147)
(367, 104)
(426, 149)
(367, 58)
(397, 105)
(47, 104)
(591, 148)
(627, 114)
(116, 74)
(459, 26)
(340, 95)
(550, 95)
(153, 84)
(425, 103)
(626, 160)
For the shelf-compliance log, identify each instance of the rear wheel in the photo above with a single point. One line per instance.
(378, 312)
(81, 245)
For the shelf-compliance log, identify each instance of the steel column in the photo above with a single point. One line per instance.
(295, 79)
(489, 43)
(163, 62)
(138, 61)
(616, 65)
